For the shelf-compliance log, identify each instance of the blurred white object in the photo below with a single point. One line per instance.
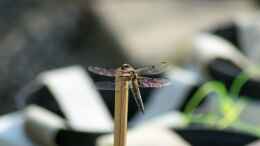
(207, 47)
(78, 98)
(147, 136)
(12, 131)
(42, 125)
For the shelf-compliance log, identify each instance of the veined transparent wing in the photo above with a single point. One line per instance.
(146, 82)
(153, 69)
(102, 71)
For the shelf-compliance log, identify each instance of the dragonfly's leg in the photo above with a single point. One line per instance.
(137, 95)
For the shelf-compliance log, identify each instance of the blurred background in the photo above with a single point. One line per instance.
(212, 48)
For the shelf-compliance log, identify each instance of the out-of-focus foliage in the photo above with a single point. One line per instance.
(230, 106)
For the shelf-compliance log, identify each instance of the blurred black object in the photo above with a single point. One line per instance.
(213, 137)
(230, 32)
(196, 137)
(226, 71)
(44, 98)
(72, 138)
(257, 2)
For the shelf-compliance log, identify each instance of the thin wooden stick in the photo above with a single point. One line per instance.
(121, 110)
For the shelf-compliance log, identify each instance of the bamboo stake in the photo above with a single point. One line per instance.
(121, 109)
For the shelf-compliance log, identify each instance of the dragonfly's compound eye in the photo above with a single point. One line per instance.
(125, 66)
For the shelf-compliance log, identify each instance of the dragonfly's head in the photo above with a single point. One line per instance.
(126, 66)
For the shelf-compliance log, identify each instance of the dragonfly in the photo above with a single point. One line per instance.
(139, 77)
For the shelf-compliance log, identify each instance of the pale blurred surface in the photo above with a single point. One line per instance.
(151, 29)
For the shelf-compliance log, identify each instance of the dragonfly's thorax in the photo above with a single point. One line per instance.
(128, 72)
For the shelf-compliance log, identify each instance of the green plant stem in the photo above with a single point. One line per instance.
(212, 86)
(238, 83)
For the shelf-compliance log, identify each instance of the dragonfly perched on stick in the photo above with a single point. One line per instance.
(127, 76)
(140, 77)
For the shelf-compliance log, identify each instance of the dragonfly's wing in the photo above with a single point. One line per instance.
(105, 85)
(102, 71)
(146, 82)
(153, 69)
(137, 95)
